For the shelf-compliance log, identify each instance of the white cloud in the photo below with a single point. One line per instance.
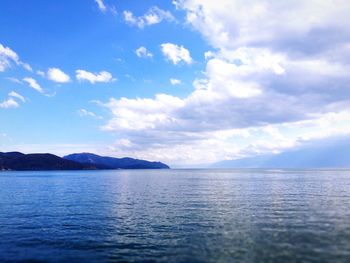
(26, 66)
(40, 73)
(105, 8)
(103, 76)
(178, 146)
(276, 77)
(209, 54)
(259, 22)
(16, 95)
(85, 113)
(176, 53)
(130, 18)
(33, 84)
(142, 52)
(7, 55)
(57, 75)
(9, 103)
(224, 78)
(175, 81)
(101, 5)
(141, 114)
(153, 16)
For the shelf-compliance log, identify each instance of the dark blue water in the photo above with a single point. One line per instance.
(175, 216)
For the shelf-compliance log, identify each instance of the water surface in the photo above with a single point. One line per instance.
(175, 216)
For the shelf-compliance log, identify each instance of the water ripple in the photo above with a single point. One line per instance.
(175, 216)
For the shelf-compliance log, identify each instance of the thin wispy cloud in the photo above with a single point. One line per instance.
(14, 94)
(86, 113)
(101, 5)
(14, 80)
(12, 101)
(104, 8)
(33, 84)
(8, 56)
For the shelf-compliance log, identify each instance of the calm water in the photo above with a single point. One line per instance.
(176, 216)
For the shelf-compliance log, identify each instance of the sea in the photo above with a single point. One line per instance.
(175, 216)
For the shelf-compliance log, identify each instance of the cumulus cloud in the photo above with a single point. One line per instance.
(9, 103)
(175, 81)
(57, 75)
(141, 114)
(33, 84)
(290, 25)
(176, 54)
(7, 55)
(142, 52)
(103, 76)
(267, 86)
(153, 16)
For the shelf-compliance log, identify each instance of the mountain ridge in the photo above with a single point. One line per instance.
(45, 161)
(113, 162)
(38, 161)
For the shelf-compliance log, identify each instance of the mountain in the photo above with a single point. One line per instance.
(114, 163)
(84, 161)
(38, 161)
(333, 153)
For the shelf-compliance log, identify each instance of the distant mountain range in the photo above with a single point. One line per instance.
(83, 161)
(326, 153)
(114, 163)
(320, 154)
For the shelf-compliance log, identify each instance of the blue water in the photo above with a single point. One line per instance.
(175, 216)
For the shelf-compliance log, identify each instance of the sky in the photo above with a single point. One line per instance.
(186, 82)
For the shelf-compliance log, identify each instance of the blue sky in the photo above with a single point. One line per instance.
(185, 82)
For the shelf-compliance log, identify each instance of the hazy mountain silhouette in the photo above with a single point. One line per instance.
(330, 153)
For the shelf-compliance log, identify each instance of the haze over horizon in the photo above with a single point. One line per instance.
(184, 82)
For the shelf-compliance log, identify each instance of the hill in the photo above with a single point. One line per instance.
(114, 163)
(38, 161)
